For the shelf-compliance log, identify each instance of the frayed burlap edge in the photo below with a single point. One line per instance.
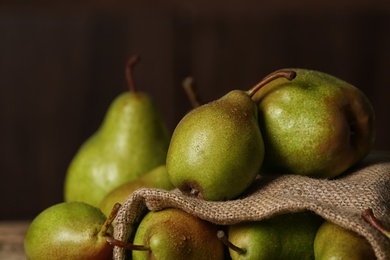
(341, 201)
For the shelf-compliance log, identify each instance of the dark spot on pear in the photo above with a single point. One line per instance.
(192, 188)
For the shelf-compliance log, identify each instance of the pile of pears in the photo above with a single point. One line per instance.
(294, 121)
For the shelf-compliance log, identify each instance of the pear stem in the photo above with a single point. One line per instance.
(285, 73)
(110, 219)
(188, 85)
(115, 242)
(222, 236)
(129, 72)
(369, 217)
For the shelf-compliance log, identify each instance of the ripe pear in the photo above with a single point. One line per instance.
(335, 242)
(316, 125)
(70, 230)
(288, 236)
(174, 234)
(155, 178)
(217, 149)
(132, 140)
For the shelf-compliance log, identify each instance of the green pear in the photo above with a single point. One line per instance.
(132, 140)
(155, 178)
(316, 125)
(217, 150)
(335, 242)
(174, 234)
(70, 230)
(288, 236)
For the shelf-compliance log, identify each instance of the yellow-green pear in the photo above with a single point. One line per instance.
(335, 242)
(72, 231)
(217, 150)
(155, 178)
(316, 124)
(174, 234)
(288, 236)
(132, 140)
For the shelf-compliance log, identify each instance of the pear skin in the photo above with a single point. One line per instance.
(335, 242)
(288, 236)
(174, 234)
(132, 140)
(156, 178)
(68, 230)
(316, 124)
(217, 150)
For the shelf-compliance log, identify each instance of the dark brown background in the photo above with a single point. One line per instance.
(62, 64)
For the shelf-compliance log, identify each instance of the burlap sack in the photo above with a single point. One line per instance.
(340, 200)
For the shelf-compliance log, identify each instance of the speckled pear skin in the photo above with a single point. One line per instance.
(217, 150)
(335, 242)
(315, 125)
(287, 236)
(68, 230)
(132, 140)
(175, 234)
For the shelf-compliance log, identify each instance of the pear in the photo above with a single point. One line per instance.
(335, 242)
(132, 140)
(287, 236)
(174, 234)
(316, 125)
(155, 178)
(70, 230)
(216, 149)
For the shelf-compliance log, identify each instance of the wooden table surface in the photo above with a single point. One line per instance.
(11, 239)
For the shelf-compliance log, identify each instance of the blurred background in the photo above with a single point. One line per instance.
(62, 63)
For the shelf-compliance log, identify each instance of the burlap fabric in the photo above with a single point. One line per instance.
(340, 200)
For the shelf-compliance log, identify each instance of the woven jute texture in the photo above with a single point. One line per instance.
(340, 200)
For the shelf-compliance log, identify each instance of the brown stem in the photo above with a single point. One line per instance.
(188, 85)
(369, 217)
(222, 236)
(285, 73)
(110, 219)
(115, 242)
(129, 72)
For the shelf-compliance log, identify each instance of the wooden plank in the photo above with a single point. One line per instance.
(11, 239)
